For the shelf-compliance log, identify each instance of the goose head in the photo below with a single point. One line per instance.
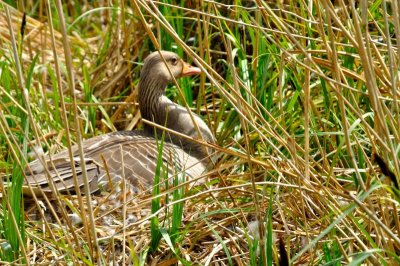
(155, 67)
(154, 78)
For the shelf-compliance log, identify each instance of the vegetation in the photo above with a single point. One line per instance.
(302, 96)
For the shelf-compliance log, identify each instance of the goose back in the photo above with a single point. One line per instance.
(130, 155)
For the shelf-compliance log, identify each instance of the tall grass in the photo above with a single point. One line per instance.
(303, 98)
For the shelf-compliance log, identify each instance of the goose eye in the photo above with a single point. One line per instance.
(174, 61)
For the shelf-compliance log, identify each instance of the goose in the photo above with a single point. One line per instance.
(133, 155)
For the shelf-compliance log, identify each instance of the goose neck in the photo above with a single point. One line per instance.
(150, 98)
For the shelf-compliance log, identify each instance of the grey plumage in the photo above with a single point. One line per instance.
(137, 149)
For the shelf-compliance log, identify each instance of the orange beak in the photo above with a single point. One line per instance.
(189, 70)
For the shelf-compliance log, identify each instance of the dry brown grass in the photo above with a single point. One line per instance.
(297, 135)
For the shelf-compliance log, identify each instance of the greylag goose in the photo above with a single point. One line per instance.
(132, 155)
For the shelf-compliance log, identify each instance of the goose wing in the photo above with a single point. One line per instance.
(112, 157)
